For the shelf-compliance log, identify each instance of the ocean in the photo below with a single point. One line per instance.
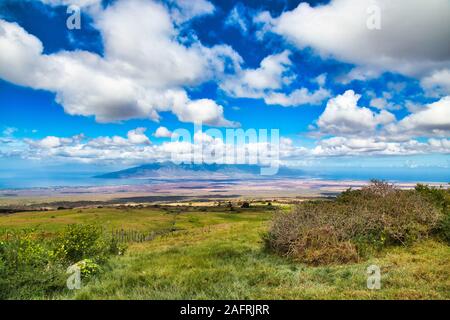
(43, 179)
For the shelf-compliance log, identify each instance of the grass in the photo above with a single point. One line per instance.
(140, 219)
(218, 254)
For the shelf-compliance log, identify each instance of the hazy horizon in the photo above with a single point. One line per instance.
(55, 178)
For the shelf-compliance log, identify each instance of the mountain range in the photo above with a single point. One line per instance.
(171, 171)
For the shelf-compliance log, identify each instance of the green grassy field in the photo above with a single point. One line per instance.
(218, 254)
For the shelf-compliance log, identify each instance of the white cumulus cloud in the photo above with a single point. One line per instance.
(162, 132)
(266, 81)
(298, 97)
(123, 84)
(412, 39)
(431, 120)
(342, 115)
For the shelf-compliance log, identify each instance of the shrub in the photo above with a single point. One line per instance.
(440, 197)
(322, 245)
(33, 265)
(444, 228)
(88, 268)
(22, 249)
(79, 242)
(27, 266)
(245, 205)
(356, 224)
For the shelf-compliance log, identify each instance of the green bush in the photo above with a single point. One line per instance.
(358, 223)
(440, 197)
(245, 205)
(444, 228)
(34, 266)
(79, 242)
(27, 266)
(88, 268)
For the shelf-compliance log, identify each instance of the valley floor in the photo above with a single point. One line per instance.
(219, 254)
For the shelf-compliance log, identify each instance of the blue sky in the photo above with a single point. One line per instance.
(338, 91)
